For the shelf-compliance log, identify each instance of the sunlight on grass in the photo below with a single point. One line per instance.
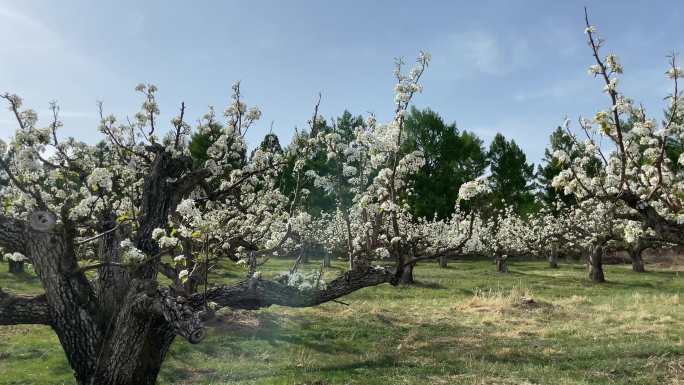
(462, 325)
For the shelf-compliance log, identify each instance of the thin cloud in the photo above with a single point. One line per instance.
(477, 53)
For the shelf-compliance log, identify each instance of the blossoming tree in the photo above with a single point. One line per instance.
(372, 174)
(101, 224)
(643, 169)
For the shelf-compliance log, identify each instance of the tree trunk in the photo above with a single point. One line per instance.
(637, 261)
(326, 259)
(126, 345)
(134, 356)
(501, 264)
(443, 261)
(635, 256)
(407, 275)
(596, 265)
(15, 267)
(553, 257)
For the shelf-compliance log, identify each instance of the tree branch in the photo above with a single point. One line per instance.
(23, 309)
(668, 230)
(12, 234)
(255, 293)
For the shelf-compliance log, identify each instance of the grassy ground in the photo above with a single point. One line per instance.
(461, 325)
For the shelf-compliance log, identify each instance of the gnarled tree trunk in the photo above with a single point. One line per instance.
(123, 341)
(596, 264)
(117, 328)
(635, 255)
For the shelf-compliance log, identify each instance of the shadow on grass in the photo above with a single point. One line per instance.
(627, 281)
(425, 285)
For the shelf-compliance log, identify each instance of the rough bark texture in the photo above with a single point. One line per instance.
(596, 265)
(256, 293)
(23, 309)
(13, 234)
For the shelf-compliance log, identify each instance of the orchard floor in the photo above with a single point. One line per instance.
(462, 325)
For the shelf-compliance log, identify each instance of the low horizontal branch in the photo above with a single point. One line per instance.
(23, 309)
(13, 234)
(256, 293)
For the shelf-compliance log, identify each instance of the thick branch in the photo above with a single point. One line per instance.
(668, 230)
(13, 234)
(256, 293)
(23, 309)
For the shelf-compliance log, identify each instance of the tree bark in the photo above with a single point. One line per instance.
(326, 259)
(443, 263)
(596, 265)
(635, 256)
(113, 281)
(254, 294)
(668, 230)
(406, 277)
(23, 309)
(637, 261)
(135, 363)
(134, 350)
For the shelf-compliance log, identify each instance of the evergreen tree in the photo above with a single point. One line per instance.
(511, 176)
(271, 143)
(451, 159)
(318, 200)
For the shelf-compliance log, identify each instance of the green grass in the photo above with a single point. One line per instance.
(461, 325)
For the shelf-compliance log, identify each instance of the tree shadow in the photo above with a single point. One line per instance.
(426, 285)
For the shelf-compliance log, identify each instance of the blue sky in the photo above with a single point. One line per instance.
(515, 67)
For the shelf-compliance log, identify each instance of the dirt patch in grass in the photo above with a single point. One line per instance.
(241, 320)
(503, 301)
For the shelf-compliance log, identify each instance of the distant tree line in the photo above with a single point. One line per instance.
(453, 156)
